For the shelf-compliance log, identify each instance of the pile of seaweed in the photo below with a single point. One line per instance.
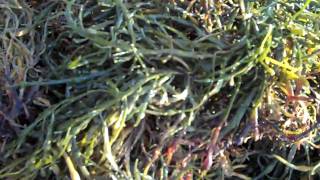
(177, 89)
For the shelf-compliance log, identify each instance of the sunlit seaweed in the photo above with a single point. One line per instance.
(159, 89)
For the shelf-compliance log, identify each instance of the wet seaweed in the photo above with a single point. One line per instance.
(154, 89)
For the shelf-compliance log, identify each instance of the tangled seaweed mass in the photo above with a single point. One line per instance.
(176, 89)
